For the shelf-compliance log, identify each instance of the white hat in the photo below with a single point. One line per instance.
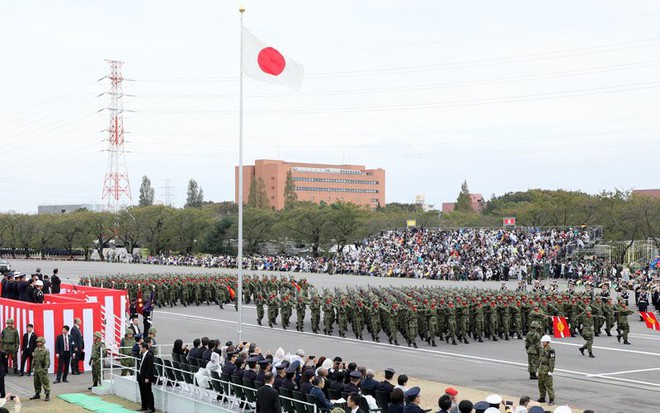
(563, 409)
(492, 410)
(546, 339)
(300, 352)
(39, 282)
(494, 399)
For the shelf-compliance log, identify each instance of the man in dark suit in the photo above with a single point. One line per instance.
(28, 345)
(268, 399)
(386, 386)
(413, 401)
(55, 282)
(77, 337)
(145, 378)
(135, 325)
(64, 346)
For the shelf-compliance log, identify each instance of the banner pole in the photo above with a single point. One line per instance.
(239, 258)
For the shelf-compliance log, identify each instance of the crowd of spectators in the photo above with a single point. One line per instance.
(459, 254)
(335, 383)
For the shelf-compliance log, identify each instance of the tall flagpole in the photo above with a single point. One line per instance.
(239, 259)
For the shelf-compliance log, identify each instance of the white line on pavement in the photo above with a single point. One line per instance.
(437, 352)
(623, 350)
(623, 372)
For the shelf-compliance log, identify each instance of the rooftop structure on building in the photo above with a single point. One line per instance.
(653, 193)
(477, 201)
(315, 182)
(421, 201)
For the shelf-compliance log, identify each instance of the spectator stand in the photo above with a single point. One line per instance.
(90, 304)
(177, 389)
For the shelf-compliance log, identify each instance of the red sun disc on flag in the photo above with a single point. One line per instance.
(271, 61)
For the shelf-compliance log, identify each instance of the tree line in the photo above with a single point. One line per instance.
(208, 227)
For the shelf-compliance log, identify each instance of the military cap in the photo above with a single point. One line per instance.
(152, 330)
(308, 374)
(480, 407)
(451, 391)
(137, 336)
(253, 359)
(412, 392)
(355, 374)
(494, 399)
(41, 340)
(231, 353)
(97, 334)
(290, 370)
(10, 321)
(129, 332)
(10, 275)
(390, 370)
(263, 362)
(280, 366)
(536, 409)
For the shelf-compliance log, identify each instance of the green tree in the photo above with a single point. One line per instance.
(257, 197)
(70, 228)
(46, 233)
(127, 229)
(218, 238)
(195, 197)
(306, 223)
(146, 192)
(152, 223)
(345, 224)
(257, 228)
(188, 226)
(290, 195)
(464, 203)
(24, 230)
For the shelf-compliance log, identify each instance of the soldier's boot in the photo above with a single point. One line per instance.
(608, 333)
(433, 343)
(532, 376)
(361, 337)
(414, 344)
(626, 342)
(35, 397)
(506, 337)
(551, 402)
(541, 400)
(390, 340)
(428, 340)
(453, 342)
(270, 324)
(259, 322)
(520, 337)
(591, 355)
(480, 340)
(466, 341)
(222, 306)
(47, 398)
(618, 338)
(494, 338)
(581, 350)
(396, 343)
(15, 370)
(448, 340)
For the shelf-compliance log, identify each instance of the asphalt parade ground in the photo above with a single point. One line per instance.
(620, 378)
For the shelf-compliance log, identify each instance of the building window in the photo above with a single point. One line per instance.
(374, 199)
(272, 197)
(272, 188)
(334, 181)
(340, 199)
(272, 178)
(350, 190)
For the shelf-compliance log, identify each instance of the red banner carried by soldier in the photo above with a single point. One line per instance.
(560, 327)
(139, 302)
(651, 321)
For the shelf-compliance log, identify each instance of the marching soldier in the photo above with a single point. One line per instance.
(533, 347)
(587, 332)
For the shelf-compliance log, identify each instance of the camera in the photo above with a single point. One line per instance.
(12, 397)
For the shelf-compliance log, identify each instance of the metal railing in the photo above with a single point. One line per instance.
(218, 392)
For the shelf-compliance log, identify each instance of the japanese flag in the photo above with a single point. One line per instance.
(267, 64)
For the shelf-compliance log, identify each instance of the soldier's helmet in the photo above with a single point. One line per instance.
(10, 321)
(128, 333)
(535, 324)
(97, 334)
(41, 340)
(152, 330)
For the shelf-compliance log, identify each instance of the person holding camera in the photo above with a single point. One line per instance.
(15, 399)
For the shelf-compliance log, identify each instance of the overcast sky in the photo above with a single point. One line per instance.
(508, 95)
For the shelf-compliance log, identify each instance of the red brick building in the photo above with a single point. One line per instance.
(477, 201)
(315, 182)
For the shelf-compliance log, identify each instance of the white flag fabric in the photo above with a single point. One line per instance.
(267, 64)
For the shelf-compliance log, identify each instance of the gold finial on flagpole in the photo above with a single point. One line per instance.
(241, 10)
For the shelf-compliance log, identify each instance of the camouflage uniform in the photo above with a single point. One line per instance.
(10, 343)
(546, 369)
(95, 359)
(126, 350)
(533, 347)
(40, 365)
